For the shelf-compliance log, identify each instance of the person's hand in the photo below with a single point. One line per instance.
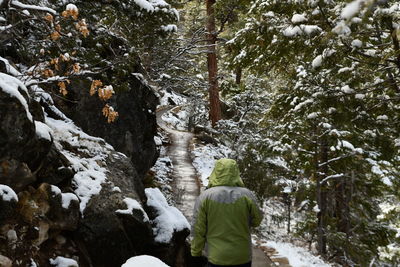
(197, 261)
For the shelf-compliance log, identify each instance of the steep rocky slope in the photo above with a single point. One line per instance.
(66, 193)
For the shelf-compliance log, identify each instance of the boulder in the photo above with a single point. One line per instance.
(8, 203)
(55, 168)
(15, 174)
(134, 130)
(21, 148)
(110, 237)
(48, 205)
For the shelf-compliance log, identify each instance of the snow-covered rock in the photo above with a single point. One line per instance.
(169, 219)
(144, 261)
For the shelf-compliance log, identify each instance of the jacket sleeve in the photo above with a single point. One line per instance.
(199, 228)
(256, 214)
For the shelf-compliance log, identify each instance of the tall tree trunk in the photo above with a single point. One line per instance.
(321, 174)
(215, 108)
(238, 75)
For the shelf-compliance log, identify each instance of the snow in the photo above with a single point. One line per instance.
(3, 28)
(346, 144)
(157, 141)
(116, 189)
(346, 89)
(32, 7)
(351, 9)
(166, 76)
(168, 220)
(204, 158)
(298, 18)
(42, 130)
(316, 209)
(89, 175)
(302, 104)
(10, 85)
(7, 194)
(312, 115)
(356, 43)
(66, 198)
(359, 96)
(292, 31)
(169, 28)
(55, 189)
(131, 205)
(144, 261)
(177, 117)
(277, 161)
(177, 99)
(341, 29)
(143, 4)
(382, 117)
(310, 29)
(71, 7)
(163, 172)
(317, 62)
(63, 262)
(297, 256)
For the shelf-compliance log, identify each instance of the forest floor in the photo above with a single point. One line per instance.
(185, 184)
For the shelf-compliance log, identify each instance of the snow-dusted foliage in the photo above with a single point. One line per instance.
(333, 116)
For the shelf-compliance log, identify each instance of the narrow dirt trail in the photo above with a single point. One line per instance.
(185, 184)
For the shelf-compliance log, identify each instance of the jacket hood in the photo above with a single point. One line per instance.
(226, 172)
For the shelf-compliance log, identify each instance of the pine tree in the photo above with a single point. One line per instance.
(334, 118)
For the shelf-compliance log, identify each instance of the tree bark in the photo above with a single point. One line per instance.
(321, 173)
(215, 108)
(238, 75)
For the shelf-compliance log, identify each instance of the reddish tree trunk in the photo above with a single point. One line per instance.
(215, 108)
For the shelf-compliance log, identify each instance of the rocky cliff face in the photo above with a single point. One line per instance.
(134, 130)
(66, 193)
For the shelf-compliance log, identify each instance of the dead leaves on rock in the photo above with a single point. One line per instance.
(109, 113)
(104, 93)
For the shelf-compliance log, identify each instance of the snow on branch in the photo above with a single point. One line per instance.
(20, 5)
(334, 176)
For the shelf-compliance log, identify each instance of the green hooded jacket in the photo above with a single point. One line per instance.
(223, 215)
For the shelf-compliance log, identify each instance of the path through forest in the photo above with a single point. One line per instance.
(186, 186)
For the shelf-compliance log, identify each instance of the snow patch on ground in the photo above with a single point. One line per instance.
(297, 256)
(171, 96)
(168, 220)
(177, 118)
(144, 261)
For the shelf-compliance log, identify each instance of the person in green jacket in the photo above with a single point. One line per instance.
(223, 215)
